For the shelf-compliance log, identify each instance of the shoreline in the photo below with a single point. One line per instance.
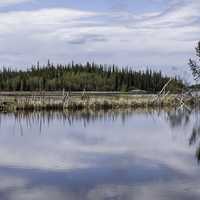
(30, 101)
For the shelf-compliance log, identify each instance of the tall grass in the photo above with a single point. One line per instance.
(16, 102)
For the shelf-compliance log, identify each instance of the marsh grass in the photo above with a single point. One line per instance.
(23, 102)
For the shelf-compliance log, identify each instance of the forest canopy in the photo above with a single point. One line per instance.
(79, 77)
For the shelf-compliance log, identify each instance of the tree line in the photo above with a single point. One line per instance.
(79, 77)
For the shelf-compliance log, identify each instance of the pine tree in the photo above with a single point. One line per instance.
(79, 77)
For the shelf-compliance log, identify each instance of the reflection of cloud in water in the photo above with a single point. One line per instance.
(110, 158)
(61, 145)
(83, 138)
(106, 182)
(135, 182)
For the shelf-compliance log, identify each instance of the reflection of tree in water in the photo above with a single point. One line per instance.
(195, 136)
(69, 117)
(180, 118)
(44, 119)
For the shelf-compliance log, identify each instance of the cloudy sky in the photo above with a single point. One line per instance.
(138, 33)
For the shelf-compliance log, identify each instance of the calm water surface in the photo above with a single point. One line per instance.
(100, 156)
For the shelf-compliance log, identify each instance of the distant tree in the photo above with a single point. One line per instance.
(195, 64)
(77, 77)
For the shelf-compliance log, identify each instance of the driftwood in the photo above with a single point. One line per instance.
(181, 98)
(66, 99)
(163, 94)
(85, 97)
(164, 87)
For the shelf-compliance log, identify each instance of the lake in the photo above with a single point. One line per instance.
(105, 155)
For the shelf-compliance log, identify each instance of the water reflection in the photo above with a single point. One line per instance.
(86, 117)
(178, 117)
(181, 118)
(100, 155)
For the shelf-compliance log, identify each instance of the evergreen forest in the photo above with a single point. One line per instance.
(79, 77)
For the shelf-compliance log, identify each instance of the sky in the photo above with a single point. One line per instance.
(160, 34)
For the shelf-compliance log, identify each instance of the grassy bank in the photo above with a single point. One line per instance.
(76, 101)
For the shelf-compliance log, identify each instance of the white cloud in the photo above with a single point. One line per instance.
(161, 38)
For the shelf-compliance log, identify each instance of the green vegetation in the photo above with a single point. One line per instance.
(79, 77)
